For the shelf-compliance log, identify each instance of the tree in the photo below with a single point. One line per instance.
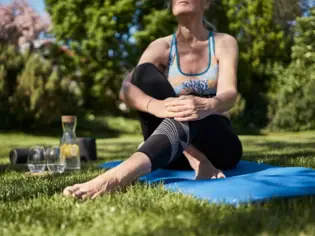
(292, 96)
(260, 41)
(98, 31)
(19, 23)
(303, 50)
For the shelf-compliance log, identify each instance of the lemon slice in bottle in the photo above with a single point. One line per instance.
(73, 150)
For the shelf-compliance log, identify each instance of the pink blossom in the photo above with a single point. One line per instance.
(20, 23)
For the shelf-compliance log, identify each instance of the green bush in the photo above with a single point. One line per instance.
(292, 96)
(11, 64)
(43, 95)
(35, 90)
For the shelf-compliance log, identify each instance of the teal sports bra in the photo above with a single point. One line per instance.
(201, 84)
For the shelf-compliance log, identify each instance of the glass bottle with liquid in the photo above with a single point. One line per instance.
(69, 149)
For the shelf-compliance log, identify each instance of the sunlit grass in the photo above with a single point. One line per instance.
(32, 205)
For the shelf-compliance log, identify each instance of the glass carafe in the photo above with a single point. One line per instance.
(69, 149)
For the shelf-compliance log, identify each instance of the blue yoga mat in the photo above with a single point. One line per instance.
(249, 182)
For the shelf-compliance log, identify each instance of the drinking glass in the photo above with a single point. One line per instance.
(36, 161)
(55, 163)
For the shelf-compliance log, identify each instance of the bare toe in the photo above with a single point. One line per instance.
(221, 175)
(68, 191)
(86, 196)
(96, 195)
(80, 192)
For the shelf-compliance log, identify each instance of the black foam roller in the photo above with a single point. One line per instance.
(19, 155)
(87, 149)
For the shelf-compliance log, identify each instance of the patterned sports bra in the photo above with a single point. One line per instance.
(202, 84)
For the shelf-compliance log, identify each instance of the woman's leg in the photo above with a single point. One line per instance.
(218, 142)
(151, 81)
(165, 140)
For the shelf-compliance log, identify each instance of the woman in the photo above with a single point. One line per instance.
(182, 87)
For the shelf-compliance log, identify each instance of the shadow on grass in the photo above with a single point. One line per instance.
(278, 216)
(284, 159)
(96, 129)
(283, 145)
(116, 151)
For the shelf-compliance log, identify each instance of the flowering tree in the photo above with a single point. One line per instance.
(20, 23)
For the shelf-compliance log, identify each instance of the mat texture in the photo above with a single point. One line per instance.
(249, 182)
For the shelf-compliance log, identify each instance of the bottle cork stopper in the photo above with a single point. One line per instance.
(68, 119)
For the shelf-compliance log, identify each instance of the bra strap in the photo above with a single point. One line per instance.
(212, 44)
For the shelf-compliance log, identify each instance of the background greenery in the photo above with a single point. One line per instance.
(106, 38)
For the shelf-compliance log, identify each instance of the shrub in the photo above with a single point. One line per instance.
(292, 96)
(34, 90)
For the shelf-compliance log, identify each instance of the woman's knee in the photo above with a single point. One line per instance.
(167, 142)
(139, 74)
(152, 81)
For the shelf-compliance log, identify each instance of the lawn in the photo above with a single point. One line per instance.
(31, 205)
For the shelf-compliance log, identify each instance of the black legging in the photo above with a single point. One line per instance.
(166, 139)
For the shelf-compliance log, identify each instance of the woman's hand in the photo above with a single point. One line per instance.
(158, 108)
(189, 108)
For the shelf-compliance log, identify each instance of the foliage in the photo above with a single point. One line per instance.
(20, 23)
(99, 31)
(11, 64)
(292, 97)
(36, 91)
(43, 94)
(260, 40)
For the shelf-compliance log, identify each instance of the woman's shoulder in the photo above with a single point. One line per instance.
(162, 42)
(225, 44)
(224, 39)
(157, 51)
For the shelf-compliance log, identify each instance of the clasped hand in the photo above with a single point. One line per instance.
(187, 108)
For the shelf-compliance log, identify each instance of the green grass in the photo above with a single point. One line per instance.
(34, 205)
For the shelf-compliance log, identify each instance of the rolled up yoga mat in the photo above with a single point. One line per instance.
(87, 148)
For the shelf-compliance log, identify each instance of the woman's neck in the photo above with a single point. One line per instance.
(191, 30)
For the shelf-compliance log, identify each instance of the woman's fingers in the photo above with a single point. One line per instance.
(176, 102)
(186, 116)
(182, 119)
(183, 114)
(176, 108)
(184, 97)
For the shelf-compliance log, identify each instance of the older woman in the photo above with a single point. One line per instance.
(183, 87)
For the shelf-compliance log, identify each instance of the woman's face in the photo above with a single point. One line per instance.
(189, 6)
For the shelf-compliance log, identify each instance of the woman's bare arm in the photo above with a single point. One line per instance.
(227, 53)
(130, 94)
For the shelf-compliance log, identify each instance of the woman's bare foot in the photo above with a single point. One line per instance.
(114, 179)
(201, 165)
(206, 170)
(104, 183)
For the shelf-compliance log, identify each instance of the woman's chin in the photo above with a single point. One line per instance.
(183, 11)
